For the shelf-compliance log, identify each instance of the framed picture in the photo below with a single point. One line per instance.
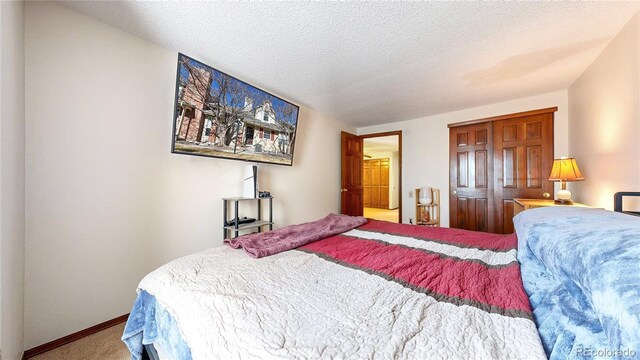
(217, 115)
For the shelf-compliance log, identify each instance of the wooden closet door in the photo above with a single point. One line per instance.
(523, 149)
(375, 183)
(384, 183)
(470, 170)
(366, 184)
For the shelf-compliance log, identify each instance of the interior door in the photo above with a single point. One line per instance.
(470, 171)
(352, 153)
(523, 158)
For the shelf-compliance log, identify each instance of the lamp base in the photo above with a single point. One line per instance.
(563, 202)
(563, 197)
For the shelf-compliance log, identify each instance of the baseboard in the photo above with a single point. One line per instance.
(73, 337)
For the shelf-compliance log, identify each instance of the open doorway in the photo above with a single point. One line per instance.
(381, 176)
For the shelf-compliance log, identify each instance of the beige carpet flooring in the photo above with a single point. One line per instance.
(103, 345)
(381, 214)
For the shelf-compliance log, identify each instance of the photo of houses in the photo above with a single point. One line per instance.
(218, 115)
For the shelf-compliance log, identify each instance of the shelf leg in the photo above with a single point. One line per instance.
(236, 217)
(259, 213)
(224, 219)
(270, 213)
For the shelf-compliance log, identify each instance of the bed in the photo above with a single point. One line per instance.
(376, 290)
(618, 202)
(581, 270)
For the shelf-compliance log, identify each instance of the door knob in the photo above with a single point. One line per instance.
(454, 192)
(343, 190)
(546, 195)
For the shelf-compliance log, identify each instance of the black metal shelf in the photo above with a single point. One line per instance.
(236, 228)
(246, 199)
(255, 224)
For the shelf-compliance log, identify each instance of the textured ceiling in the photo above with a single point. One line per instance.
(382, 143)
(370, 63)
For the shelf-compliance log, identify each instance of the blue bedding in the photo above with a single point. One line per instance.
(581, 270)
(150, 323)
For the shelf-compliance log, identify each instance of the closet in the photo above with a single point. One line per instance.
(375, 182)
(495, 160)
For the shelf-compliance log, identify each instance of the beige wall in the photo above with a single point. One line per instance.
(425, 148)
(604, 121)
(106, 200)
(12, 152)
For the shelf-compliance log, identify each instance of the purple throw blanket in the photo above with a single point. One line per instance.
(290, 237)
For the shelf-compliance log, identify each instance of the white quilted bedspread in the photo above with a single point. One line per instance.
(298, 305)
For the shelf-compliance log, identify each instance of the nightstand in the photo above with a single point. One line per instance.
(520, 205)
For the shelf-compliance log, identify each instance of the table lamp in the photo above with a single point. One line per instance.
(565, 169)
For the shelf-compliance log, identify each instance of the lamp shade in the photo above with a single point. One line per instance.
(565, 169)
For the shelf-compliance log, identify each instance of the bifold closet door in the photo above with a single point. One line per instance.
(494, 162)
(523, 149)
(470, 177)
(384, 183)
(366, 184)
(376, 183)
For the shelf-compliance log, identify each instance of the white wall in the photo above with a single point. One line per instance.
(425, 147)
(604, 121)
(106, 201)
(394, 174)
(12, 148)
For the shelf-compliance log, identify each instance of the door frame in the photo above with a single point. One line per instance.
(399, 134)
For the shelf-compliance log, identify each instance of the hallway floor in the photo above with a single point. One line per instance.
(381, 214)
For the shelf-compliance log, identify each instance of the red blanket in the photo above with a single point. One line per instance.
(456, 266)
